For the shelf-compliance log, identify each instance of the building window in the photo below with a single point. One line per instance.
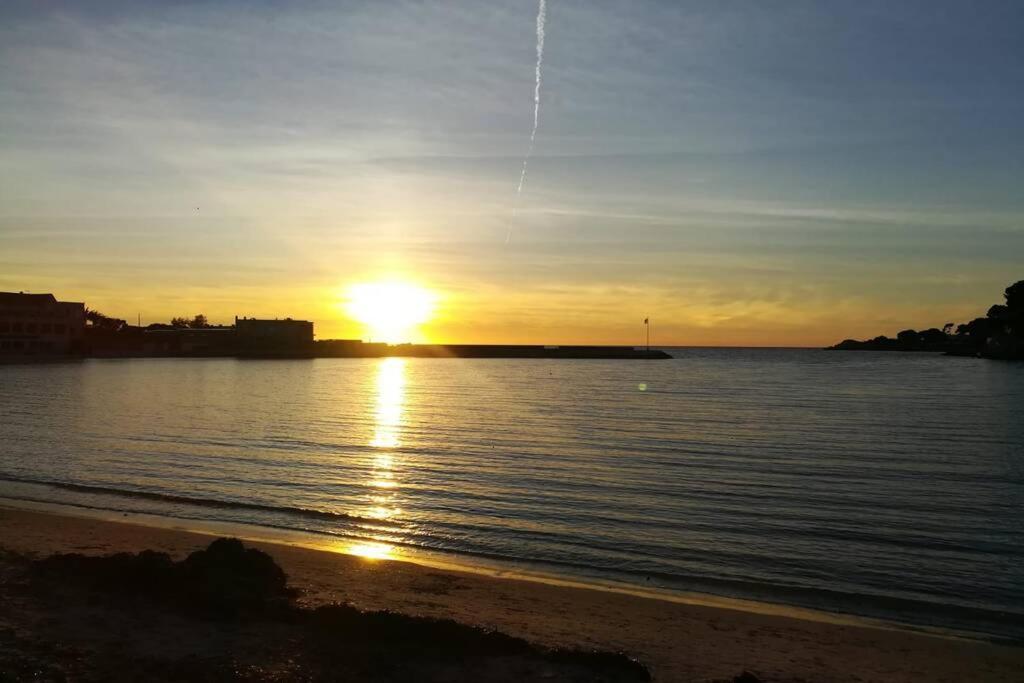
(58, 329)
(45, 328)
(30, 328)
(16, 327)
(5, 327)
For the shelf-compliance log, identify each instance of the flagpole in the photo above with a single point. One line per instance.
(647, 324)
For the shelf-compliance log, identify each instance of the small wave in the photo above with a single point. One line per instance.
(197, 501)
(994, 625)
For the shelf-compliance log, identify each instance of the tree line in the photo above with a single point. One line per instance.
(98, 321)
(999, 334)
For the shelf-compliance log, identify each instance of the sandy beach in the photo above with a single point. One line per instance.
(675, 641)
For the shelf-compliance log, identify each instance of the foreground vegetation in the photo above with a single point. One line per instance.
(227, 613)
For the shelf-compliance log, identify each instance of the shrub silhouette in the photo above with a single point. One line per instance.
(224, 580)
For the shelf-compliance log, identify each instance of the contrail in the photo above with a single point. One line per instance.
(542, 14)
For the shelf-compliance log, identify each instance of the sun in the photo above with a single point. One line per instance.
(391, 311)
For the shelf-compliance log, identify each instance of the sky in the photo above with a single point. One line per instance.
(743, 173)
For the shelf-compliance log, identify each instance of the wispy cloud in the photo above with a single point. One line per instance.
(743, 166)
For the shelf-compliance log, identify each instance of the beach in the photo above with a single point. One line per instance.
(327, 329)
(675, 640)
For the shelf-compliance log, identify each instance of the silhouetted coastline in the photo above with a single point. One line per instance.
(39, 328)
(999, 335)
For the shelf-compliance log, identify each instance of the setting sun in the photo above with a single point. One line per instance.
(391, 311)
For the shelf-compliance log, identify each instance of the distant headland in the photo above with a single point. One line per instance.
(999, 335)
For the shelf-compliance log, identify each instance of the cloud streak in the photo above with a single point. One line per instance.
(541, 20)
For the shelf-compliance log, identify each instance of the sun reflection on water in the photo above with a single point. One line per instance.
(386, 437)
(373, 551)
(390, 394)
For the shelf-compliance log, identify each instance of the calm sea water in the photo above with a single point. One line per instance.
(888, 485)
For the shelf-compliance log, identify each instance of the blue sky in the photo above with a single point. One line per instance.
(742, 172)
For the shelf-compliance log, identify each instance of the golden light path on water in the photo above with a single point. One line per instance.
(390, 395)
(390, 386)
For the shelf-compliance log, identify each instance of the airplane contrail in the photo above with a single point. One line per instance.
(542, 14)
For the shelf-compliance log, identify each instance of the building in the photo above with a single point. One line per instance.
(38, 325)
(286, 337)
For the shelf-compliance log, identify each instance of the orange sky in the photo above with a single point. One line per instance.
(566, 315)
(741, 177)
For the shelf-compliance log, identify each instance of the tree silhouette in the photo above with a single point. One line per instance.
(98, 321)
(1000, 334)
(933, 337)
(998, 312)
(1014, 296)
(197, 322)
(908, 338)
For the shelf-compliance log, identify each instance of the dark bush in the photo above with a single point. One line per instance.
(227, 577)
(224, 580)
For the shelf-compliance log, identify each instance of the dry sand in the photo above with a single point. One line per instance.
(677, 641)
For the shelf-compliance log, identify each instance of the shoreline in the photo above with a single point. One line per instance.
(686, 639)
(450, 562)
(485, 567)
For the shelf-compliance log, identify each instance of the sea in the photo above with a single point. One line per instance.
(882, 485)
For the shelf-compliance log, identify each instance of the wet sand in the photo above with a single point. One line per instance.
(675, 640)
